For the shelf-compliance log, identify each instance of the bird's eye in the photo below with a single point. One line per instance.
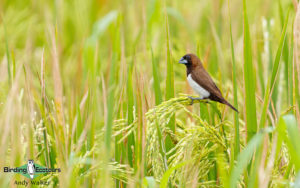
(187, 57)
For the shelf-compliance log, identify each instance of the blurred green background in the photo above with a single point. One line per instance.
(94, 88)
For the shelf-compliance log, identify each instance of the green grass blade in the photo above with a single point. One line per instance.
(110, 104)
(285, 53)
(296, 92)
(164, 180)
(110, 117)
(169, 83)
(295, 67)
(260, 71)
(252, 180)
(130, 104)
(156, 80)
(162, 147)
(99, 28)
(170, 69)
(290, 72)
(279, 51)
(246, 155)
(222, 171)
(249, 78)
(273, 77)
(288, 131)
(236, 116)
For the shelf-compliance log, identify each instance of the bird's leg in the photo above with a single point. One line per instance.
(194, 98)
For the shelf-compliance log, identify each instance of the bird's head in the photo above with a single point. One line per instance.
(190, 60)
(30, 162)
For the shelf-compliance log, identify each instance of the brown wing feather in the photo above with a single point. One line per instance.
(204, 80)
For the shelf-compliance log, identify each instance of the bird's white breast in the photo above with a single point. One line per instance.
(197, 88)
(30, 169)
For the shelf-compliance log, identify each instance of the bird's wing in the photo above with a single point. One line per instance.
(204, 80)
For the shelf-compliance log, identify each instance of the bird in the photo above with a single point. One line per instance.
(31, 168)
(201, 82)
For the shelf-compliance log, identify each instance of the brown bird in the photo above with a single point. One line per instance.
(200, 80)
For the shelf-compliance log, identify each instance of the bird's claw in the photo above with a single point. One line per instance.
(191, 99)
(194, 98)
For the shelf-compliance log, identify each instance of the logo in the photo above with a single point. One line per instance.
(30, 170)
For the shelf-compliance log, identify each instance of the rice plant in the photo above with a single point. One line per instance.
(92, 91)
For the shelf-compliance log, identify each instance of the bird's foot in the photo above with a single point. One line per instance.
(194, 98)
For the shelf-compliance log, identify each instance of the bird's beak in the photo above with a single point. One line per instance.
(183, 61)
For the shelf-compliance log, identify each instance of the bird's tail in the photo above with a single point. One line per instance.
(228, 104)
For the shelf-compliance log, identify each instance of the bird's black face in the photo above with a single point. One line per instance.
(186, 60)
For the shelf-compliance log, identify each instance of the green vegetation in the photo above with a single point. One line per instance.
(94, 88)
